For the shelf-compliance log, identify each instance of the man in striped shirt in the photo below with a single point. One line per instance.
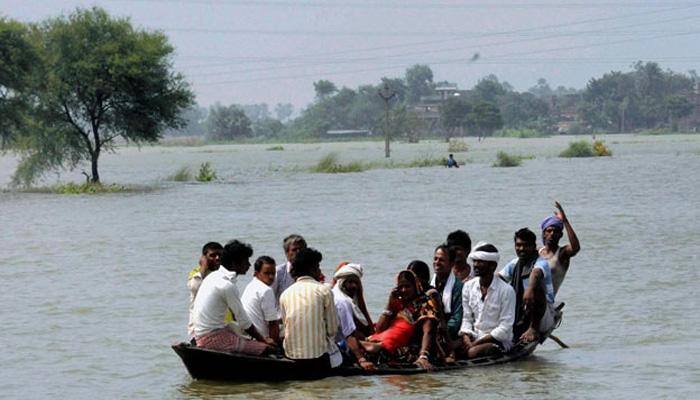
(309, 316)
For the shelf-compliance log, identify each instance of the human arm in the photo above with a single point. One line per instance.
(455, 320)
(330, 314)
(535, 280)
(363, 307)
(428, 328)
(574, 246)
(393, 306)
(359, 353)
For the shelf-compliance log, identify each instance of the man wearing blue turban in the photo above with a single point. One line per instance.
(559, 258)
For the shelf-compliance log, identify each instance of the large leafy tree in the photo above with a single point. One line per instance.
(485, 118)
(454, 115)
(227, 123)
(419, 82)
(102, 80)
(17, 61)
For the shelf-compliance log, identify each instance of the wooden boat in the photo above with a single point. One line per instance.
(216, 365)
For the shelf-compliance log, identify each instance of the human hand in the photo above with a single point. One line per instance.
(366, 365)
(424, 363)
(270, 342)
(203, 266)
(559, 212)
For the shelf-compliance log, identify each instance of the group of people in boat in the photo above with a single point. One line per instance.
(468, 308)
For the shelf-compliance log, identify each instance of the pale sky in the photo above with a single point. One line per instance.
(273, 50)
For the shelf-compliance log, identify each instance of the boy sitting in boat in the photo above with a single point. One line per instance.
(488, 307)
(217, 294)
(531, 279)
(259, 299)
(208, 262)
(461, 243)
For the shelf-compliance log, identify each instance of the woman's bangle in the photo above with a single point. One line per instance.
(388, 313)
(423, 357)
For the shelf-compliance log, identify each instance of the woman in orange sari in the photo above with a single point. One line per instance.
(409, 314)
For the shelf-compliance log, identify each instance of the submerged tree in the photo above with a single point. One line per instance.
(101, 80)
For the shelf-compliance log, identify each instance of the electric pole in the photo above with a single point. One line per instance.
(386, 94)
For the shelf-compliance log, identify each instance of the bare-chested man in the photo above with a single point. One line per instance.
(559, 257)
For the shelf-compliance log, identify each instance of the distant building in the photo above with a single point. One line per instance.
(428, 107)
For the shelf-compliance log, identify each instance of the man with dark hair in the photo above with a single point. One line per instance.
(531, 279)
(217, 294)
(489, 306)
(309, 316)
(292, 244)
(462, 244)
(559, 258)
(449, 288)
(209, 261)
(259, 300)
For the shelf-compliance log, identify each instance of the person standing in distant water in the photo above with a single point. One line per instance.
(292, 244)
(451, 162)
(559, 258)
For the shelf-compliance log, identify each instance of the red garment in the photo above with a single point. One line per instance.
(397, 335)
(225, 339)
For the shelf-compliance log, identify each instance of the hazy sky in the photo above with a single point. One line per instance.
(273, 50)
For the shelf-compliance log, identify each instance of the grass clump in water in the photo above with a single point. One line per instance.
(600, 149)
(524, 133)
(426, 161)
(275, 148)
(504, 159)
(329, 164)
(206, 173)
(457, 146)
(181, 175)
(72, 188)
(580, 148)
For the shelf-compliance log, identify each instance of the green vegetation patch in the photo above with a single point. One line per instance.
(85, 188)
(184, 174)
(423, 162)
(582, 148)
(457, 146)
(524, 133)
(206, 173)
(330, 164)
(504, 159)
(275, 148)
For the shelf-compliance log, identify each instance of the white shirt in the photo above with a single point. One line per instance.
(260, 304)
(217, 294)
(283, 279)
(494, 315)
(346, 321)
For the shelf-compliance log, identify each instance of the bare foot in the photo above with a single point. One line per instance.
(530, 336)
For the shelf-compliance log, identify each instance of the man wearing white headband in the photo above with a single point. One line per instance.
(488, 306)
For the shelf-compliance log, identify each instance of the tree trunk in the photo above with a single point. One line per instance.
(95, 174)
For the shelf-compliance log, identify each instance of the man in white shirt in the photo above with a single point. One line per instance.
(291, 244)
(217, 294)
(259, 300)
(488, 306)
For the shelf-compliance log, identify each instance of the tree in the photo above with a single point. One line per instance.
(324, 88)
(17, 61)
(454, 115)
(193, 122)
(256, 112)
(284, 111)
(227, 123)
(419, 82)
(488, 89)
(101, 80)
(485, 118)
(678, 107)
(522, 110)
(268, 128)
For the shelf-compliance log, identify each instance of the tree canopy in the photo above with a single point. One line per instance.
(100, 80)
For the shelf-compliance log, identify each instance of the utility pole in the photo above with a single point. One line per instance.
(386, 94)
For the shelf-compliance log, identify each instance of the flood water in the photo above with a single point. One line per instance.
(94, 286)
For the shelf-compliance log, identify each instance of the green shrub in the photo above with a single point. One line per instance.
(275, 148)
(457, 146)
(206, 173)
(425, 161)
(504, 159)
(600, 149)
(329, 164)
(523, 133)
(181, 175)
(71, 188)
(656, 132)
(580, 148)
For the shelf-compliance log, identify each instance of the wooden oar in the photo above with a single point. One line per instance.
(559, 342)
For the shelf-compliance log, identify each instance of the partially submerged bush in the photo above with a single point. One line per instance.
(580, 148)
(181, 175)
(457, 146)
(523, 133)
(275, 148)
(329, 164)
(425, 161)
(600, 149)
(504, 159)
(206, 173)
